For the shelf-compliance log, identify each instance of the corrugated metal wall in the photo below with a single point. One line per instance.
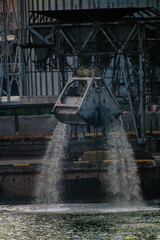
(119, 3)
(46, 83)
(69, 4)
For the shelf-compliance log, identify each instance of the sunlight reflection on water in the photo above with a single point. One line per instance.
(79, 221)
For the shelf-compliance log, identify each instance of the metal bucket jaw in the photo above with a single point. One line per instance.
(83, 101)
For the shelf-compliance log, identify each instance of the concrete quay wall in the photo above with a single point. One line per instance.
(32, 125)
(7, 126)
(20, 185)
(44, 124)
(35, 131)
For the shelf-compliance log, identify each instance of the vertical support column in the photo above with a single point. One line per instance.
(30, 61)
(128, 88)
(141, 84)
(71, 4)
(80, 4)
(93, 4)
(52, 74)
(45, 74)
(19, 50)
(98, 3)
(6, 73)
(115, 69)
(27, 75)
(33, 58)
(59, 76)
(63, 5)
(56, 5)
(49, 4)
(57, 57)
(24, 84)
(40, 83)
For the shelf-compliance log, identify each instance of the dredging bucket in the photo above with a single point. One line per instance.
(84, 99)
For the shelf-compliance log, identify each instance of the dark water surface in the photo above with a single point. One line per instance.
(80, 221)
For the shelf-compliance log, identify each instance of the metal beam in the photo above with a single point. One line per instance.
(91, 34)
(70, 44)
(141, 78)
(108, 38)
(129, 37)
(6, 69)
(44, 39)
(128, 88)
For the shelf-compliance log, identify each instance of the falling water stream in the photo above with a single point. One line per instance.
(121, 181)
(122, 177)
(48, 183)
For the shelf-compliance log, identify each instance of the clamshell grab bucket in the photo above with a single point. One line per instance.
(83, 99)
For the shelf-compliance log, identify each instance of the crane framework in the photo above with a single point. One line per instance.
(124, 43)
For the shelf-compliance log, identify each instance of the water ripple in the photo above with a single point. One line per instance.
(79, 221)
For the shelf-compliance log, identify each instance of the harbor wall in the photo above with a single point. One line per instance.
(44, 124)
(29, 134)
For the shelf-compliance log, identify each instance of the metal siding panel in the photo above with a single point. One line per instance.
(60, 6)
(150, 3)
(49, 83)
(40, 5)
(153, 3)
(84, 4)
(56, 83)
(67, 5)
(90, 3)
(34, 5)
(52, 3)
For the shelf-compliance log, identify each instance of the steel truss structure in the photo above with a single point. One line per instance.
(10, 58)
(124, 43)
